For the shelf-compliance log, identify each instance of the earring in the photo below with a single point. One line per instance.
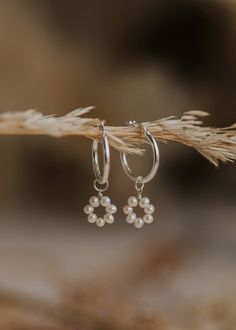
(142, 202)
(100, 185)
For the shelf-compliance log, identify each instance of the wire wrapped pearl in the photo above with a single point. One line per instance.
(94, 201)
(132, 201)
(88, 209)
(148, 218)
(92, 218)
(127, 209)
(144, 202)
(111, 209)
(149, 209)
(131, 218)
(105, 201)
(109, 218)
(138, 223)
(100, 222)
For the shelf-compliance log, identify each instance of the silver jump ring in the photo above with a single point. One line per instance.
(100, 189)
(155, 152)
(139, 185)
(101, 178)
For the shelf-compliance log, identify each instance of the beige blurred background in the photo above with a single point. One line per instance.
(138, 59)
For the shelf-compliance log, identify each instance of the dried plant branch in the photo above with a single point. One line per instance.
(215, 144)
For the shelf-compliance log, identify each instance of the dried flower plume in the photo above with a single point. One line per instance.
(215, 144)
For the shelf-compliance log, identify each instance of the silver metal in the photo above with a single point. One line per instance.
(155, 152)
(139, 185)
(100, 189)
(102, 178)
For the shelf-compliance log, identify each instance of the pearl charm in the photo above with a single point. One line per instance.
(95, 202)
(127, 209)
(133, 201)
(143, 203)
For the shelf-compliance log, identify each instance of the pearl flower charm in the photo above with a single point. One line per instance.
(143, 203)
(95, 202)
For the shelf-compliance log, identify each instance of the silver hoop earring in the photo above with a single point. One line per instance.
(100, 184)
(141, 201)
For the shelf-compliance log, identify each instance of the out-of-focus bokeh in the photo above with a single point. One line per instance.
(142, 60)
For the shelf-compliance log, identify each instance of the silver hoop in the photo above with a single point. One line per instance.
(101, 178)
(155, 152)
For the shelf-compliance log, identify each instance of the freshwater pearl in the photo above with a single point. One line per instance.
(144, 202)
(131, 218)
(127, 209)
(92, 218)
(105, 201)
(88, 209)
(139, 223)
(132, 201)
(94, 201)
(109, 218)
(111, 209)
(100, 222)
(148, 218)
(149, 209)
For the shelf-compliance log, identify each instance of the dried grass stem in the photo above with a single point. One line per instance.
(215, 144)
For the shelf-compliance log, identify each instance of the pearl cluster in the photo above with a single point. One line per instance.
(131, 216)
(95, 202)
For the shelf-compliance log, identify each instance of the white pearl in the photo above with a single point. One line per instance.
(111, 209)
(131, 218)
(100, 222)
(94, 201)
(105, 201)
(144, 202)
(149, 209)
(109, 218)
(139, 223)
(127, 209)
(88, 209)
(132, 201)
(148, 218)
(92, 218)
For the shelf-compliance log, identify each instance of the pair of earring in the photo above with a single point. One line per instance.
(101, 184)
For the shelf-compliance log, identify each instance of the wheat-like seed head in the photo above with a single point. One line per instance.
(215, 144)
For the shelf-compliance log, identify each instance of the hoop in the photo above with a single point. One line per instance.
(155, 152)
(101, 178)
